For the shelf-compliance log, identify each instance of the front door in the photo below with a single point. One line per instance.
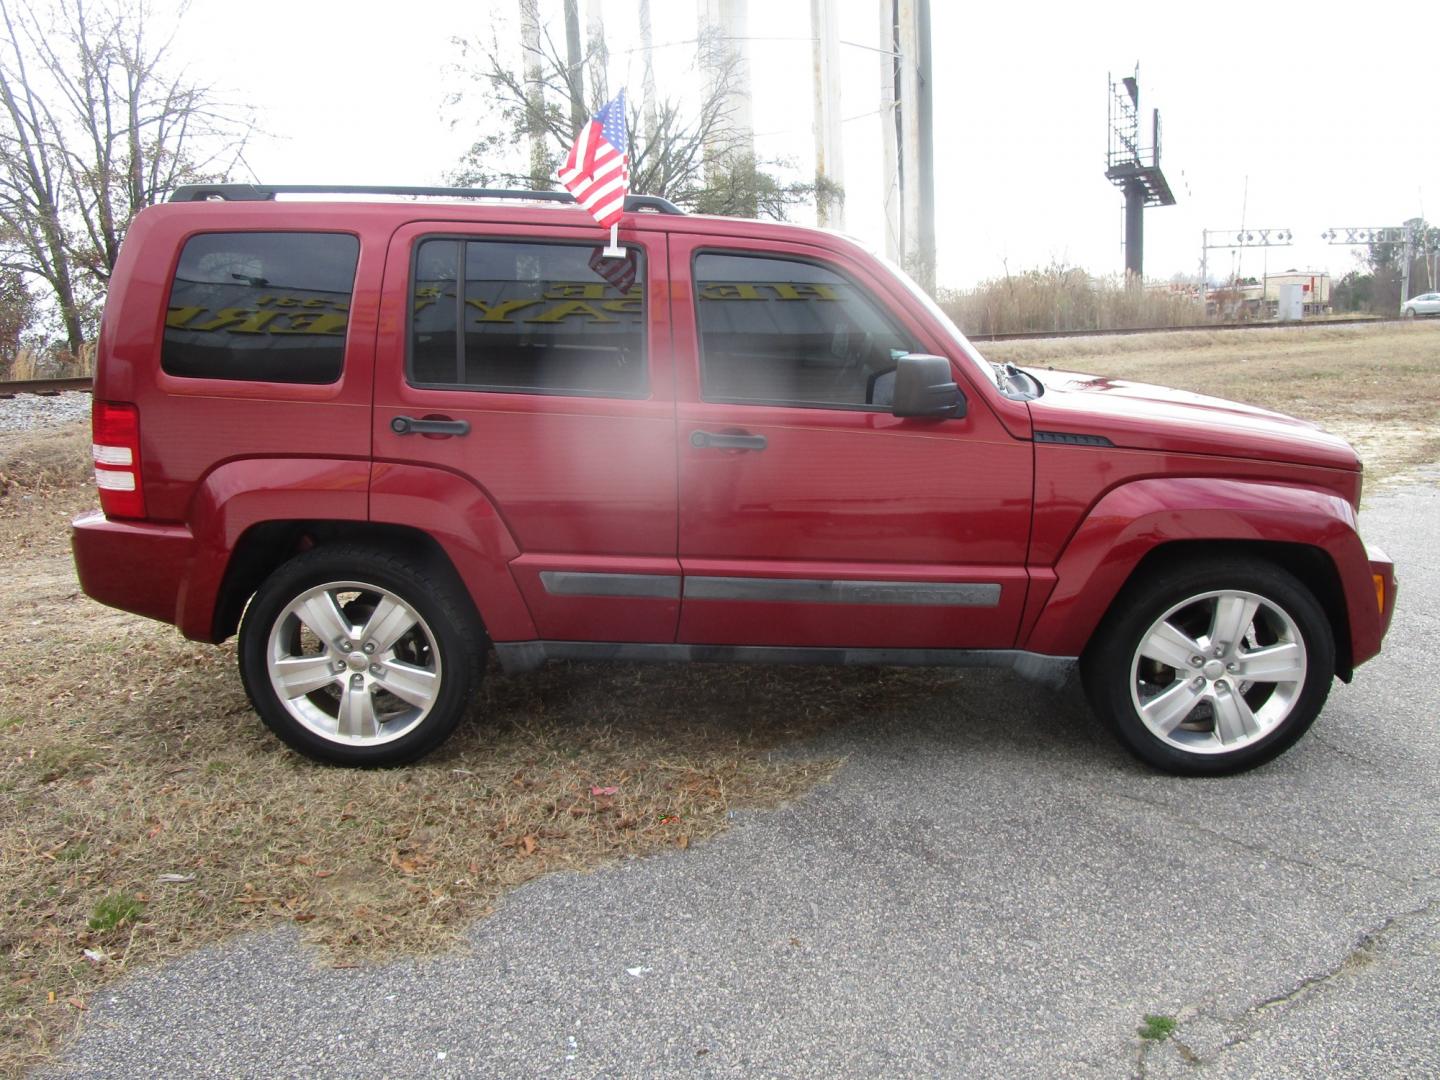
(809, 515)
(540, 371)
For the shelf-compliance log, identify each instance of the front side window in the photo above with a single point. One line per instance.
(528, 318)
(786, 332)
(268, 307)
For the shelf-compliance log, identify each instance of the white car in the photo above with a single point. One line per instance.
(1427, 304)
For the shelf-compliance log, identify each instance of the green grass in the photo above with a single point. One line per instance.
(116, 908)
(1157, 1027)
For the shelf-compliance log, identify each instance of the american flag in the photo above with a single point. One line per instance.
(597, 172)
(620, 273)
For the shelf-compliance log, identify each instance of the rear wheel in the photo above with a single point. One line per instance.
(360, 657)
(1211, 667)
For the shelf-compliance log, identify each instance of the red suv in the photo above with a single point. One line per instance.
(382, 437)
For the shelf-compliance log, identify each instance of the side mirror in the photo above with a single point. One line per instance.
(925, 386)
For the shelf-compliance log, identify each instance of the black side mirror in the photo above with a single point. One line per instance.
(925, 386)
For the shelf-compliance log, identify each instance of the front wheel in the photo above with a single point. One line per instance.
(1409, 313)
(1211, 667)
(359, 657)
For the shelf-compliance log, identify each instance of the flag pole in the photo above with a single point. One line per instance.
(614, 251)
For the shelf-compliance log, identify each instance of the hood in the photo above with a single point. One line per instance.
(1145, 417)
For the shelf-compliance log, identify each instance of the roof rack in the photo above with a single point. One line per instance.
(267, 192)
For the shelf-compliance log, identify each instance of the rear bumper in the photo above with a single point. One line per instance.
(134, 566)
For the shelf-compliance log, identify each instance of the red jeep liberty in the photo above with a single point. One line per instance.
(381, 437)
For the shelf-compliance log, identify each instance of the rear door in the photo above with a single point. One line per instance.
(524, 361)
(809, 515)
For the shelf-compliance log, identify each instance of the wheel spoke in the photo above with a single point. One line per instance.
(1233, 616)
(1171, 646)
(356, 719)
(1280, 663)
(297, 675)
(324, 619)
(389, 622)
(1164, 713)
(410, 683)
(1233, 719)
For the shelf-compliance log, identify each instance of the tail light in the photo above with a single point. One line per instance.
(116, 449)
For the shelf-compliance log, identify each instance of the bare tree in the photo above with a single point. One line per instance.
(668, 154)
(95, 124)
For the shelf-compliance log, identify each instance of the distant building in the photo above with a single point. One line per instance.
(1259, 298)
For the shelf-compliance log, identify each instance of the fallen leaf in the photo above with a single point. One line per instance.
(305, 916)
(528, 843)
(683, 841)
(604, 791)
(324, 873)
(176, 879)
(75, 1003)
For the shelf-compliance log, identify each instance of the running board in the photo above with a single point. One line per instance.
(520, 656)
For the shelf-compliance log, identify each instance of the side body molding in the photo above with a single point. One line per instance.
(1135, 518)
(458, 516)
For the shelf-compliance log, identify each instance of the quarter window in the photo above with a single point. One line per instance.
(786, 332)
(528, 318)
(268, 307)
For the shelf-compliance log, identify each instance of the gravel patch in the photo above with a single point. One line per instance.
(25, 412)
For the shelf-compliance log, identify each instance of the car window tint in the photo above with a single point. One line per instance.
(532, 318)
(784, 331)
(270, 307)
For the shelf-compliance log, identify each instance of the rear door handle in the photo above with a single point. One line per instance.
(716, 441)
(404, 425)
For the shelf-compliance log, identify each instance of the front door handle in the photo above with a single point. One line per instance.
(712, 440)
(404, 425)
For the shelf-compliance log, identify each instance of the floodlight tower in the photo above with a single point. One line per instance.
(1125, 167)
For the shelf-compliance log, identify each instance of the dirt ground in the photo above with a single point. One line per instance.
(144, 810)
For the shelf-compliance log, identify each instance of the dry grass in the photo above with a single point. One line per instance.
(1066, 298)
(1378, 386)
(32, 363)
(145, 811)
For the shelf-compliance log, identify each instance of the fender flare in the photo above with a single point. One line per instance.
(240, 494)
(1132, 520)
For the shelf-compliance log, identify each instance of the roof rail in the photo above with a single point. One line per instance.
(267, 192)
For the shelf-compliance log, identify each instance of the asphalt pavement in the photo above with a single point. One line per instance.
(989, 887)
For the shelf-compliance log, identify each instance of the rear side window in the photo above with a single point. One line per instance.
(786, 332)
(268, 307)
(528, 318)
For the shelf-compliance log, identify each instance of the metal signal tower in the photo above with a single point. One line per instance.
(1126, 167)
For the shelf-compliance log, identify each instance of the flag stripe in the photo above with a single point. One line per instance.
(597, 171)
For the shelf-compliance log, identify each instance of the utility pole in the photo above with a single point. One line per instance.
(917, 182)
(829, 157)
(574, 74)
(729, 17)
(890, 190)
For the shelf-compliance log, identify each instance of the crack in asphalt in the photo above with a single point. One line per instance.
(1255, 1018)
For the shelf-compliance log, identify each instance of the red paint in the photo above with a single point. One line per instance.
(614, 486)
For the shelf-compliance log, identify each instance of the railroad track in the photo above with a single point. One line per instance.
(43, 386)
(60, 386)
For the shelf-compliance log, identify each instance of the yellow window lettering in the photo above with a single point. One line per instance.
(716, 291)
(560, 312)
(313, 322)
(787, 290)
(287, 301)
(316, 301)
(565, 290)
(177, 317)
(628, 306)
(499, 312)
(237, 320)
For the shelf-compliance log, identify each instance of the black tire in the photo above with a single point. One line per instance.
(1288, 634)
(385, 701)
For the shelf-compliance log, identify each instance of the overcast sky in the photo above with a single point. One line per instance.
(1299, 116)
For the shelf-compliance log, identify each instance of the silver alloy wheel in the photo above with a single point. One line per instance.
(354, 663)
(1218, 672)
